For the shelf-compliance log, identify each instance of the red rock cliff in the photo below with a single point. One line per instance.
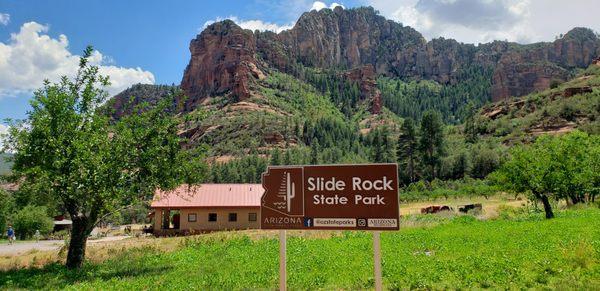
(532, 67)
(225, 57)
(366, 78)
(223, 61)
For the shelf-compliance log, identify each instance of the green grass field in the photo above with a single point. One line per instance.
(523, 251)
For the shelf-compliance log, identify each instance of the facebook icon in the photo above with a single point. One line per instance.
(308, 222)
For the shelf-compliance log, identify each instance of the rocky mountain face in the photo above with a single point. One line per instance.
(223, 60)
(525, 69)
(227, 58)
(348, 38)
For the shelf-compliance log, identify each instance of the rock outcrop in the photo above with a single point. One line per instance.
(529, 68)
(516, 76)
(348, 38)
(227, 59)
(223, 61)
(572, 91)
(366, 77)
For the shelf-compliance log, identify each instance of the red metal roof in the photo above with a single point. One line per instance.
(210, 195)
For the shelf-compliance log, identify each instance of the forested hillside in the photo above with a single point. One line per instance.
(454, 101)
(251, 99)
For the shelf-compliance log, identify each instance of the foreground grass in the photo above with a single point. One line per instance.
(460, 252)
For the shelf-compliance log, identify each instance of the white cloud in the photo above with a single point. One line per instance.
(476, 21)
(318, 5)
(257, 24)
(31, 55)
(254, 24)
(4, 18)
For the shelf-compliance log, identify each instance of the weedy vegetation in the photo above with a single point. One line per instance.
(518, 249)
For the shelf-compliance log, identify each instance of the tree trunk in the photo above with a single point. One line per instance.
(547, 206)
(79, 233)
(575, 199)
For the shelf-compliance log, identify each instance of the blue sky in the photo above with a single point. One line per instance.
(147, 41)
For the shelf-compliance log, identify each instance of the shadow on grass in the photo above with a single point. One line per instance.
(57, 276)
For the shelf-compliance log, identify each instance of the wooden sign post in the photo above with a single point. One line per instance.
(377, 259)
(282, 260)
(342, 197)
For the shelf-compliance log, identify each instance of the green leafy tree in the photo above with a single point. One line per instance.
(407, 151)
(31, 218)
(593, 168)
(484, 160)
(531, 169)
(91, 166)
(6, 206)
(576, 159)
(564, 167)
(455, 166)
(431, 143)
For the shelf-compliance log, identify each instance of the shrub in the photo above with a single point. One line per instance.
(554, 83)
(32, 218)
(568, 111)
(507, 212)
(466, 187)
(484, 161)
(503, 127)
(455, 166)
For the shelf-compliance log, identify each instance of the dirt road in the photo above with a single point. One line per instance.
(45, 245)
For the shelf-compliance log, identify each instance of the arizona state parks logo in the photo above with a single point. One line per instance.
(288, 198)
(331, 197)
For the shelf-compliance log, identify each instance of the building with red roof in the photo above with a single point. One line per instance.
(206, 207)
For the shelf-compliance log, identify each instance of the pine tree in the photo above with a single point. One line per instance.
(287, 158)
(470, 130)
(275, 158)
(377, 145)
(315, 148)
(431, 142)
(387, 146)
(406, 151)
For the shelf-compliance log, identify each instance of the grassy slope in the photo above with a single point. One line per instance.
(460, 253)
(285, 103)
(548, 108)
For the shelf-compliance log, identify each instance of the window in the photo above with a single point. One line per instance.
(232, 216)
(212, 217)
(252, 216)
(192, 217)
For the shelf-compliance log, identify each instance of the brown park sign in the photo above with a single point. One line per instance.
(358, 197)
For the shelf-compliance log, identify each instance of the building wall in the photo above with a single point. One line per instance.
(157, 220)
(222, 223)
